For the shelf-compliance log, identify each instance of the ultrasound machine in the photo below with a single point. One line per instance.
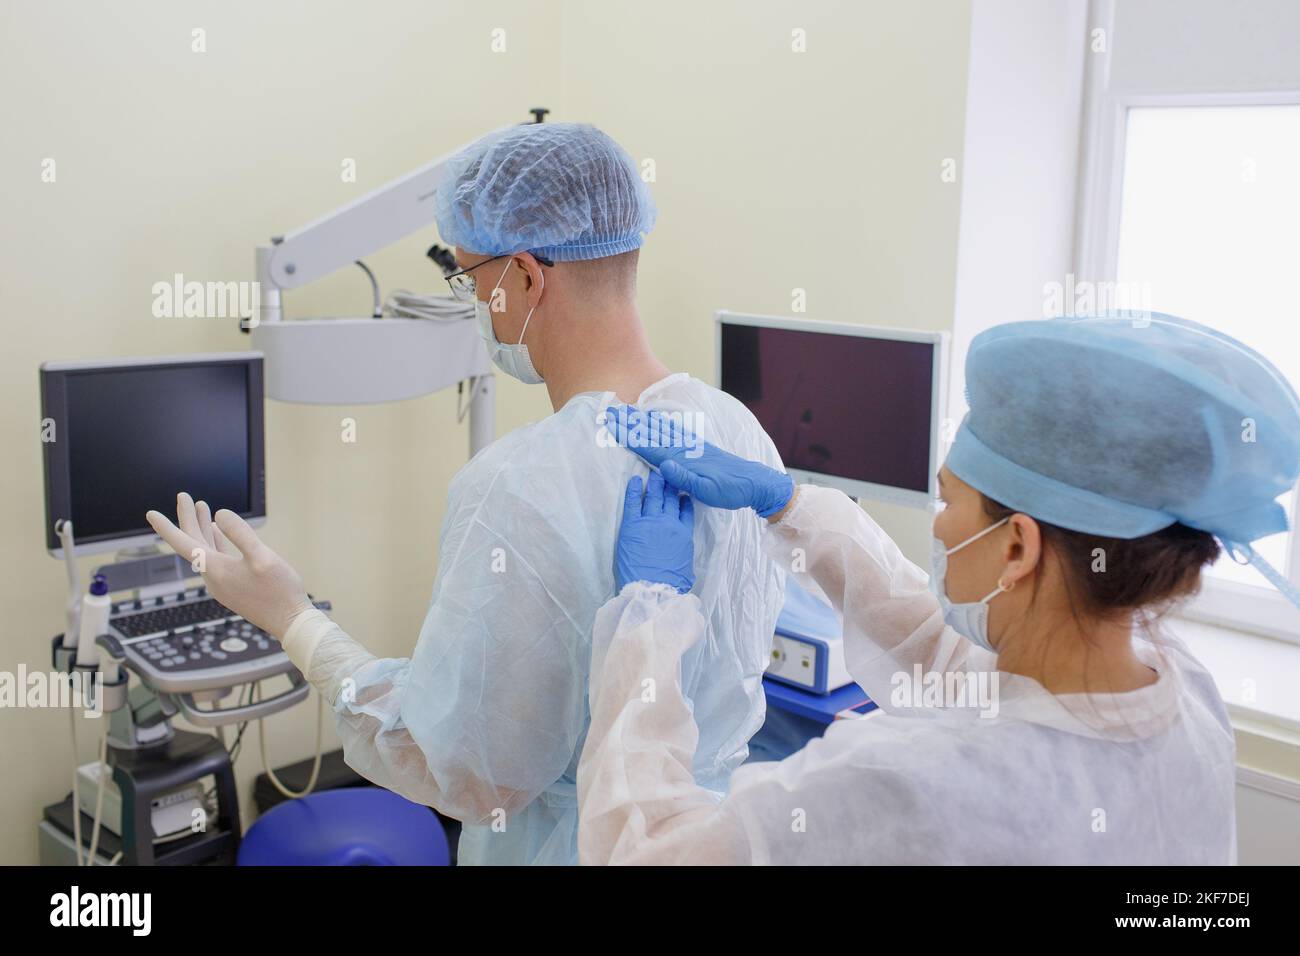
(122, 437)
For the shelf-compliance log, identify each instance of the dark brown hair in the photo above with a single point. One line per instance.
(1147, 574)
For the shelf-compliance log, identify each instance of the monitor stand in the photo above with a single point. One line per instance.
(139, 551)
(147, 571)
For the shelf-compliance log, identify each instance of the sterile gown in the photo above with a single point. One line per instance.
(1144, 777)
(486, 720)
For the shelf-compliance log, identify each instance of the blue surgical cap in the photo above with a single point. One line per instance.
(1119, 425)
(564, 191)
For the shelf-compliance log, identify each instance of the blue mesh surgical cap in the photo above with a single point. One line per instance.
(565, 191)
(1120, 426)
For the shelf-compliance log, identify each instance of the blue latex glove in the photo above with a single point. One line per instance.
(656, 541)
(702, 470)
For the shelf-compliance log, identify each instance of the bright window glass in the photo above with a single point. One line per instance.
(1210, 230)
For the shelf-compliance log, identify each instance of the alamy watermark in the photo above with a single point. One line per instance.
(663, 429)
(977, 690)
(182, 299)
(52, 689)
(1122, 300)
(125, 910)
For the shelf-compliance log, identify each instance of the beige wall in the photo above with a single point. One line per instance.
(776, 170)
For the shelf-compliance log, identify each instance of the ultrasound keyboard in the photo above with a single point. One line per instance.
(189, 641)
(166, 617)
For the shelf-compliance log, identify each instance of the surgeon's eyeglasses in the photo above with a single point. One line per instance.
(463, 286)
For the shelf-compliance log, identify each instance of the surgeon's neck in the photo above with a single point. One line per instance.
(599, 346)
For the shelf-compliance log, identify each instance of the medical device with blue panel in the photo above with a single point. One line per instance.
(808, 649)
(855, 407)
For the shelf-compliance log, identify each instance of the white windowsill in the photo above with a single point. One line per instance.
(1241, 662)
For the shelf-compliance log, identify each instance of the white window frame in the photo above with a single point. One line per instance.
(1258, 609)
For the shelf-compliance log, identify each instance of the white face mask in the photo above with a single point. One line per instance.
(511, 359)
(970, 620)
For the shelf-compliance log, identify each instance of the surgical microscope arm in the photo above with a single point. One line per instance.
(347, 234)
(353, 360)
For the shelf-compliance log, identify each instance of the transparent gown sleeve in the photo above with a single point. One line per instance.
(366, 695)
(892, 621)
(638, 800)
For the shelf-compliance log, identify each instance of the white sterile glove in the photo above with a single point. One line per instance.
(256, 583)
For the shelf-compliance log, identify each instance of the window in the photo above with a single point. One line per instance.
(1209, 229)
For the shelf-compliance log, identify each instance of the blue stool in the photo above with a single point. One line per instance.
(354, 826)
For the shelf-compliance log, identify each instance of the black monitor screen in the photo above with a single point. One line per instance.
(851, 406)
(128, 438)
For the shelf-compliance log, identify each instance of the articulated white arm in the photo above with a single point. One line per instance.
(351, 232)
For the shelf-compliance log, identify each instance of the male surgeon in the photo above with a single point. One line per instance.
(487, 718)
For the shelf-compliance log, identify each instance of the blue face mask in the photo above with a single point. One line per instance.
(511, 359)
(970, 620)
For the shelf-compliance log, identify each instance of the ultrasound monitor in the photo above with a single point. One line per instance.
(122, 437)
(854, 407)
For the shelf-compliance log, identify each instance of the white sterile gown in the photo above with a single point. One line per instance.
(1144, 777)
(486, 720)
